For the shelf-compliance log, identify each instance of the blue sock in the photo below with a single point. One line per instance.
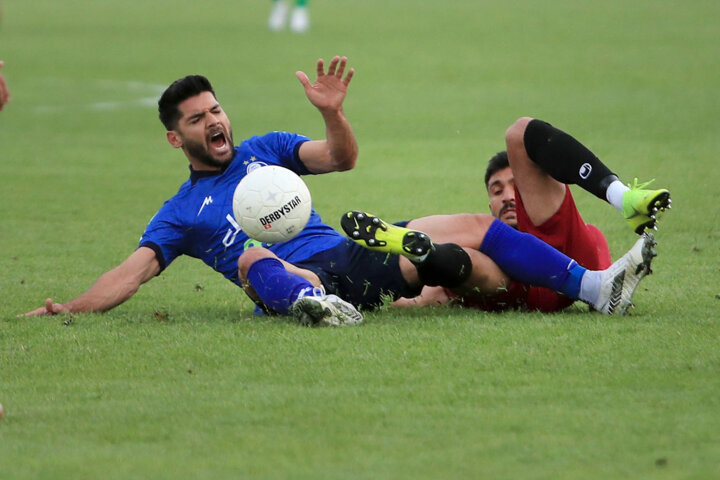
(276, 287)
(529, 260)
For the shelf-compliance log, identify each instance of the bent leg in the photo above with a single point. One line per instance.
(541, 194)
(485, 277)
(566, 159)
(274, 282)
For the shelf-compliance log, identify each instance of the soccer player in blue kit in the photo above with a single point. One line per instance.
(292, 277)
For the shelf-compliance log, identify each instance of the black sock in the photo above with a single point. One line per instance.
(447, 265)
(566, 159)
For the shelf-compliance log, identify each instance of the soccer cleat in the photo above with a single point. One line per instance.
(278, 16)
(321, 310)
(622, 277)
(371, 232)
(300, 20)
(640, 206)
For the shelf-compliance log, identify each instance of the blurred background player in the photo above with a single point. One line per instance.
(299, 17)
(4, 93)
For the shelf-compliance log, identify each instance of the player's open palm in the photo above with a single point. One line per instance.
(328, 91)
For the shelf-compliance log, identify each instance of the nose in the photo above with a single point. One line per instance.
(508, 195)
(212, 119)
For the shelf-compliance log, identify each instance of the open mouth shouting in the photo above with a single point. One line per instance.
(220, 145)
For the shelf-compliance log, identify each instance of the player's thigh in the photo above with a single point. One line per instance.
(464, 229)
(541, 194)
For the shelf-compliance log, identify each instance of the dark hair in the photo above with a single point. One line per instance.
(176, 93)
(498, 162)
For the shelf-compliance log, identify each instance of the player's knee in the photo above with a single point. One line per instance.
(250, 256)
(515, 134)
(449, 265)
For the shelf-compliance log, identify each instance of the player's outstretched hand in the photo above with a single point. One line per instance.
(4, 93)
(50, 308)
(328, 91)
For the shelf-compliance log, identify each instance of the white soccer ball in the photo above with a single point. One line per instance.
(272, 204)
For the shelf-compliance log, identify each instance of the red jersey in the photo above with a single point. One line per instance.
(567, 232)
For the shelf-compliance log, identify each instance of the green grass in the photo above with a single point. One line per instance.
(183, 382)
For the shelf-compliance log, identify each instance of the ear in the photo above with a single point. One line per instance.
(174, 138)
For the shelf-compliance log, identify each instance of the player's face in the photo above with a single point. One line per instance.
(204, 132)
(501, 190)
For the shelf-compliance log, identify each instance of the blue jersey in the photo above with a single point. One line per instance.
(198, 221)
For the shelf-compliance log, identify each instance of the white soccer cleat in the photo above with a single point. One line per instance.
(300, 20)
(321, 310)
(622, 277)
(278, 16)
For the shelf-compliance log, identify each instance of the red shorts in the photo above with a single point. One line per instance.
(567, 232)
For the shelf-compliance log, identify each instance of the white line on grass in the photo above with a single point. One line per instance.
(149, 92)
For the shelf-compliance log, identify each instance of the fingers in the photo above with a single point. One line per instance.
(333, 65)
(349, 76)
(46, 310)
(341, 69)
(302, 76)
(55, 308)
(336, 67)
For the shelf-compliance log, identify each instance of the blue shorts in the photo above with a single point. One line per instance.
(360, 276)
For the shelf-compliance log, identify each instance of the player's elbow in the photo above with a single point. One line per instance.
(346, 164)
(344, 159)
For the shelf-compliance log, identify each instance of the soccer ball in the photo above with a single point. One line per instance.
(271, 204)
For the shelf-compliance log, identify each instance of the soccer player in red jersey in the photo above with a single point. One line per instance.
(528, 189)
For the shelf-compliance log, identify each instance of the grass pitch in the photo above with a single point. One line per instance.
(183, 382)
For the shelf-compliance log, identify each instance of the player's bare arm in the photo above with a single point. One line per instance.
(111, 289)
(4, 93)
(339, 150)
(430, 296)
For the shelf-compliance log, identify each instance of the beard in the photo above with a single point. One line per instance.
(203, 155)
(505, 207)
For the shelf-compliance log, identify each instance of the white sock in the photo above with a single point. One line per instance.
(615, 193)
(590, 286)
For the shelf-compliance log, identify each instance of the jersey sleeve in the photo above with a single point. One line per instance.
(284, 148)
(164, 236)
